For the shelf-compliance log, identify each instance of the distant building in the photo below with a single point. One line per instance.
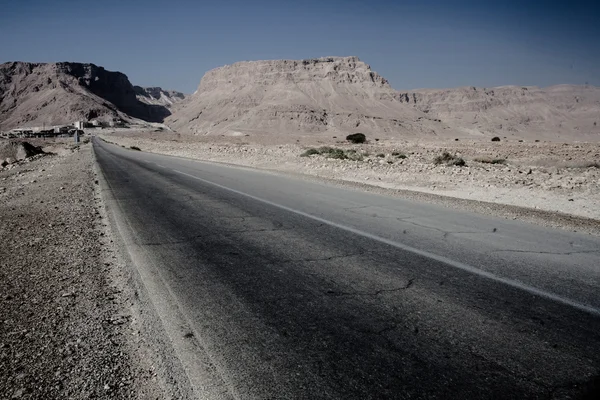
(61, 129)
(78, 124)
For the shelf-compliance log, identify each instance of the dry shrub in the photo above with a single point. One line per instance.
(449, 159)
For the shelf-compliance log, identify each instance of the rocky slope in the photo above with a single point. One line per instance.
(343, 95)
(563, 111)
(158, 96)
(33, 94)
(332, 94)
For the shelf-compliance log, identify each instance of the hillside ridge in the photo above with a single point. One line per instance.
(344, 95)
(36, 94)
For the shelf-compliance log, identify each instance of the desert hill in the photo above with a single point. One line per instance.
(554, 112)
(343, 95)
(332, 94)
(36, 94)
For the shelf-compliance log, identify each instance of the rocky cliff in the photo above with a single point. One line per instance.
(158, 96)
(36, 94)
(331, 94)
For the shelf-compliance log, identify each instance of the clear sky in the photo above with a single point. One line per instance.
(414, 44)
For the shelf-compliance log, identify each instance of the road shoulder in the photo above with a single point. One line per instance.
(67, 328)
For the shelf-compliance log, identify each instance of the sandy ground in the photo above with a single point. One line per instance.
(548, 176)
(66, 324)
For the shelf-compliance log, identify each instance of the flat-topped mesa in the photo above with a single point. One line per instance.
(337, 70)
(339, 95)
(328, 94)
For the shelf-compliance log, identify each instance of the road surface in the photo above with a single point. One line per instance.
(273, 287)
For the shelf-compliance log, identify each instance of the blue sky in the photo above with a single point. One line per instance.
(414, 44)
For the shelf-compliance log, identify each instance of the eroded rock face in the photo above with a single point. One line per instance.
(342, 95)
(568, 111)
(158, 96)
(37, 94)
(334, 94)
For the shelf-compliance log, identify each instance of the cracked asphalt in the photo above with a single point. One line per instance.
(271, 287)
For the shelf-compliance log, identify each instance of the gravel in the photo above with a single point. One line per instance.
(65, 318)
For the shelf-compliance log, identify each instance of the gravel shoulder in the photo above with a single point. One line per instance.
(68, 326)
(548, 183)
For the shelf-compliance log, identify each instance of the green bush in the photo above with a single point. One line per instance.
(356, 138)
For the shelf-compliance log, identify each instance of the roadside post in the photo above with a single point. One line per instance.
(76, 137)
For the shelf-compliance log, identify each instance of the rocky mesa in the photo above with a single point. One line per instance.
(331, 94)
(37, 94)
(343, 95)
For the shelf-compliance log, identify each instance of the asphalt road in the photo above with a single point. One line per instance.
(274, 287)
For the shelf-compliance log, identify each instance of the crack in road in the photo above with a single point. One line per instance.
(374, 215)
(323, 259)
(372, 294)
(445, 233)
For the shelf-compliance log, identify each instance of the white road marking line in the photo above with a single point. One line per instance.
(465, 267)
